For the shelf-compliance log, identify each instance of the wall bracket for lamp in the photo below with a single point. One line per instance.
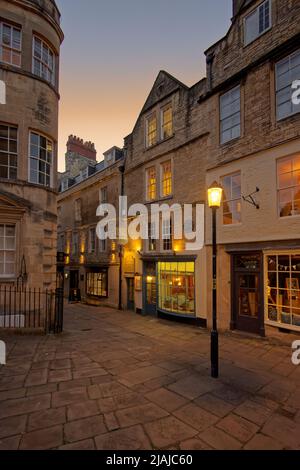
(250, 199)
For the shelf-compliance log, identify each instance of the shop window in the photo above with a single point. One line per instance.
(288, 180)
(176, 287)
(96, 283)
(283, 289)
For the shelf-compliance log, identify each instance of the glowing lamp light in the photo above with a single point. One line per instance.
(214, 192)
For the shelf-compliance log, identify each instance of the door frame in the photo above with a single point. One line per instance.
(130, 305)
(147, 308)
(260, 272)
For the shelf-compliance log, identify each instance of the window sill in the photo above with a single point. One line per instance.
(258, 37)
(158, 143)
(230, 142)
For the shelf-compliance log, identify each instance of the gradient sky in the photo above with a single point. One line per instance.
(113, 51)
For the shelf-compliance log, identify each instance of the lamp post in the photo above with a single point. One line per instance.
(214, 201)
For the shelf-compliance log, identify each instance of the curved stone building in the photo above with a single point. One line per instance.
(30, 39)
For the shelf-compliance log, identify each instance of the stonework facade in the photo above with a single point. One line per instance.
(29, 129)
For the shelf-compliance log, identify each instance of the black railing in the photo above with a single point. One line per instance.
(31, 309)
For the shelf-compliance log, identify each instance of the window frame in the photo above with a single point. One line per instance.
(162, 124)
(11, 48)
(221, 120)
(253, 12)
(74, 245)
(41, 62)
(162, 180)
(289, 188)
(148, 119)
(39, 159)
(8, 153)
(5, 250)
(167, 235)
(103, 271)
(92, 246)
(231, 200)
(153, 185)
(277, 91)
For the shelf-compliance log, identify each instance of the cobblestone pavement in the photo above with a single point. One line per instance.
(116, 380)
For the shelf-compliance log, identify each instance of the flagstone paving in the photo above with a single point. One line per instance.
(115, 380)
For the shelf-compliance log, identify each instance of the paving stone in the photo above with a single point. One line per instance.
(284, 430)
(238, 427)
(59, 364)
(219, 439)
(61, 375)
(196, 417)
(111, 421)
(40, 365)
(231, 395)
(46, 419)
(21, 406)
(41, 389)
(166, 399)
(71, 384)
(124, 439)
(84, 428)
(12, 426)
(140, 414)
(67, 397)
(89, 372)
(11, 443)
(42, 439)
(194, 444)
(167, 431)
(193, 386)
(261, 442)
(83, 409)
(214, 405)
(142, 375)
(36, 377)
(88, 444)
(12, 382)
(15, 393)
(254, 412)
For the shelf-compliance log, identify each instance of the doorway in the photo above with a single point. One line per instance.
(150, 288)
(247, 293)
(130, 293)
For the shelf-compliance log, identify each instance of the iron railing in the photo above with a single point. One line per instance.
(31, 309)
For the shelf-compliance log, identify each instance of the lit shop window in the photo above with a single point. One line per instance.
(232, 199)
(283, 289)
(96, 283)
(176, 287)
(288, 177)
(10, 44)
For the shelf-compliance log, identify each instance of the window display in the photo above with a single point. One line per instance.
(176, 284)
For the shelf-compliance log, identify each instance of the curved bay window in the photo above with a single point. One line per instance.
(96, 283)
(176, 287)
(283, 289)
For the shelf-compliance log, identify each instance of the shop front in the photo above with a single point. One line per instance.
(96, 283)
(265, 290)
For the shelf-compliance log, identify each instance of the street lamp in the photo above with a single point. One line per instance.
(214, 201)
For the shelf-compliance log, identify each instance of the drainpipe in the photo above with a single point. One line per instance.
(121, 248)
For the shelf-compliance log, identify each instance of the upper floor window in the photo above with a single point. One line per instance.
(43, 61)
(151, 184)
(103, 195)
(287, 70)
(167, 235)
(75, 243)
(10, 44)
(230, 115)
(77, 210)
(92, 240)
(288, 182)
(151, 131)
(232, 199)
(258, 22)
(41, 159)
(7, 250)
(166, 179)
(61, 243)
(8, 151)
(152, 245)
(166, 122)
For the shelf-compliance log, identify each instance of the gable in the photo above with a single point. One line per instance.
(11, 205)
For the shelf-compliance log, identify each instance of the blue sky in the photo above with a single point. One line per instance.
(113, 51)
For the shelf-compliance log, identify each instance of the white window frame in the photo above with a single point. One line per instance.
(41, 62)
(230, 116)
(92, 249)
(231, 199)
(295, 109)
(167, 234)
(288, 188)
(9, 153)
(148, 118)
(163, 109)
(256, 12)
(12, 49)
(39, 159)
(12, 250)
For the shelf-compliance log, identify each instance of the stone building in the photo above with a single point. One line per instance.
(254, 149)
(89, 268)
(165, 164)
(30, 39)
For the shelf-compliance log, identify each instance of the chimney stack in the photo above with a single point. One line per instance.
(79, 147)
